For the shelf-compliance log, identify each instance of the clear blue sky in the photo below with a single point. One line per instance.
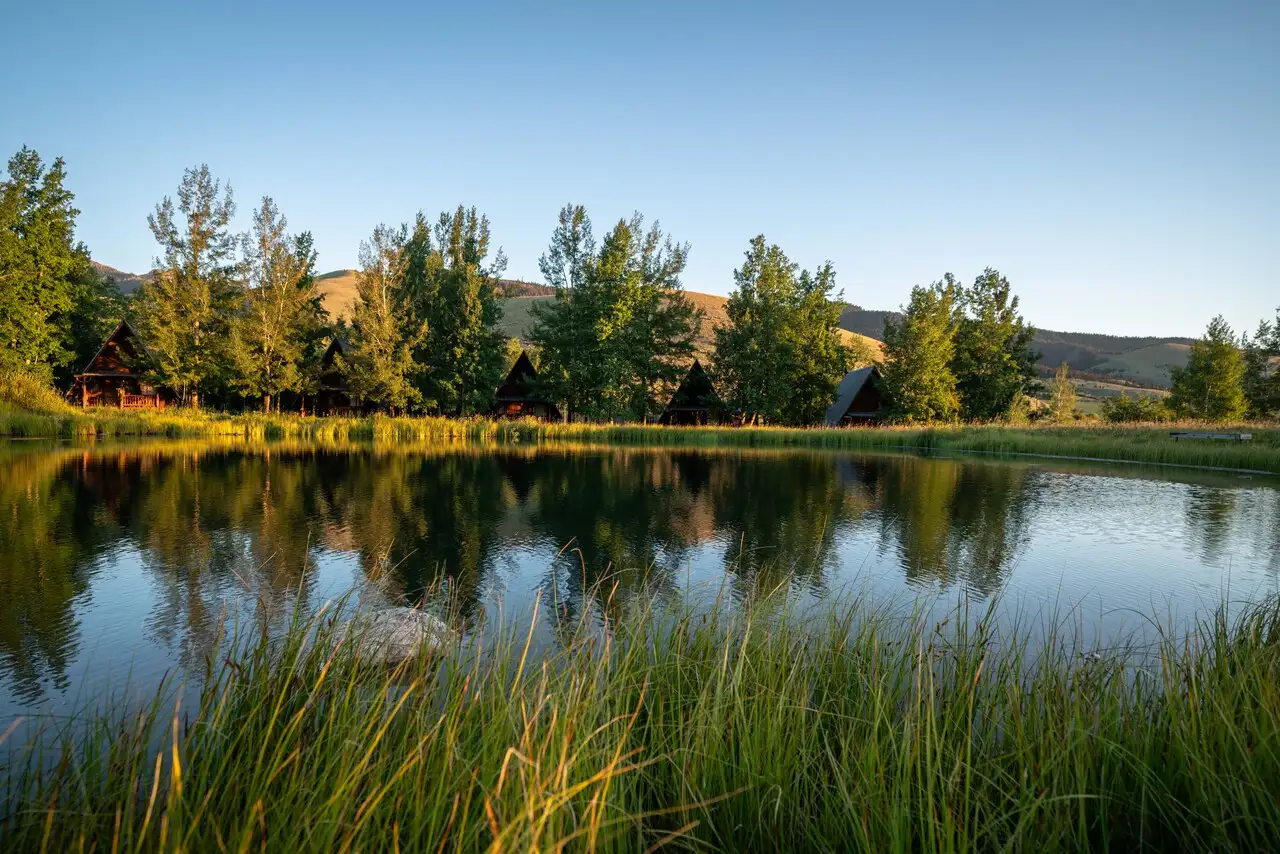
(1117, 160)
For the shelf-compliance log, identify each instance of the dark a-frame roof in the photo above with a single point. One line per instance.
(519, 381)
(337, 347)
(695, 391)
(850, 387)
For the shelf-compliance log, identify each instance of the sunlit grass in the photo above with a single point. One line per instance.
(730, 729)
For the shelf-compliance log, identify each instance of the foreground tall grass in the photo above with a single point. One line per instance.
(729, 730)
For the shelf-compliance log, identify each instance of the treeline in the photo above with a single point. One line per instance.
(228, 318)
(1225, 379)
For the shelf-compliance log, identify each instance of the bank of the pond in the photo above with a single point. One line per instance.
(1142, 444)
(711, 732)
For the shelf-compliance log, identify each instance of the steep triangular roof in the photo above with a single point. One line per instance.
(337, 347)
(126, 341)
(519, 379)
(695, 391)
(852, 383)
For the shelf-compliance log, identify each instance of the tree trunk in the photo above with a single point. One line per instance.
(266, 404)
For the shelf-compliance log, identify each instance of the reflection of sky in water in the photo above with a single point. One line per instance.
(119, 570)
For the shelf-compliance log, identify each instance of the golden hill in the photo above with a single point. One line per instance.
(338, 290)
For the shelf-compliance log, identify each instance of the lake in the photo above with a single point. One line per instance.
(118, 562)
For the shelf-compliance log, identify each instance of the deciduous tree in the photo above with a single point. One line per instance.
(184, 312)
(1062, 396)
(384, 329)
(1211, 386)
(918, 351)
(278, 327)
(780, 357)
(994, 364)
(621, 330)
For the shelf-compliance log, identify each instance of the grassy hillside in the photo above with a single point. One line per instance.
(338, 290)
(1148, 365)
(1144, 361)
(517, 321)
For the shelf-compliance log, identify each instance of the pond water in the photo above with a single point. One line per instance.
(118, 562)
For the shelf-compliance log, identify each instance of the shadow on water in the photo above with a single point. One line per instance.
(149, 546)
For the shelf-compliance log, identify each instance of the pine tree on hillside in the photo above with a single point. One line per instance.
(918, 353)
(43, 271)
(277, 329)
(384, 329)
(780, 357)
(1211, 386)
(184, 312)
(994, 364)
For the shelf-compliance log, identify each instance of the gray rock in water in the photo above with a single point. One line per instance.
(391, 635)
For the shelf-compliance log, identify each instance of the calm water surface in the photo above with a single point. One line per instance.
(116, 562)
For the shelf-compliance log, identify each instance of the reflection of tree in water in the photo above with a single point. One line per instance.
(1209, 514)
(48, 543)
(434, 517)
(779, 515)
(626, 517)
(953, 520)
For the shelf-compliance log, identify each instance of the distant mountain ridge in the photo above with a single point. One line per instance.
(1139, 360)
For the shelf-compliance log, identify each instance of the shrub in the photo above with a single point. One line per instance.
(1124, 409)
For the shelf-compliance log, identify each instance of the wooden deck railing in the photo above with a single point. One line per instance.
(140, 401)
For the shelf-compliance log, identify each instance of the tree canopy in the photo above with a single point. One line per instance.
(184, 313)
(46, 278)
(1211, 386)
(620, 332)
(780, 357)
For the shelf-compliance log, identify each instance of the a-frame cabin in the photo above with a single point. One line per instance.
(694, 402)
(333, 396)
(516, 397)
(113, 377)
(859, 399)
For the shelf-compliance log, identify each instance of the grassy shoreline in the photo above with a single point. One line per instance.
(1139, 444)
(709, 731)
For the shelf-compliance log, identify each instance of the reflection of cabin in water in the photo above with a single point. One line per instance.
(859, 399)
(516, 397)
(113, 376)
(694, 402)
(333, 397)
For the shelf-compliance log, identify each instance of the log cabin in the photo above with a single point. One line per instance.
(113, 377)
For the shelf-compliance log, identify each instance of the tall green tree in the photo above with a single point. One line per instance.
(994, 364)
(41, 265)
(281, 315)
(384, 328)
(453, 288)
(780, 357)
(621, 330)
(1062, 395)
(564, 328)
(1211, 386)
(1261, 371)
(184, 312)
(918, 353)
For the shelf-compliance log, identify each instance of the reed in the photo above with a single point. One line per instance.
(1149, 444)
(727, 728)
